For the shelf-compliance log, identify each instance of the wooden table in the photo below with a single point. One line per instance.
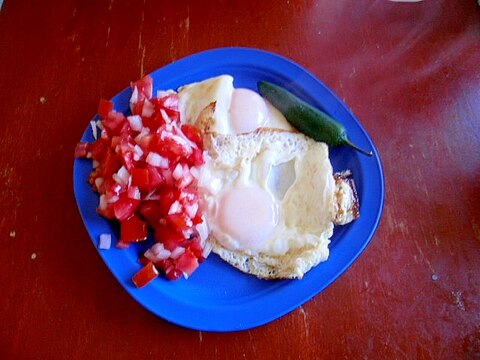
(410, 73)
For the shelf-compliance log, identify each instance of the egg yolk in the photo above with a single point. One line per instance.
(248, 214)
(248, 111)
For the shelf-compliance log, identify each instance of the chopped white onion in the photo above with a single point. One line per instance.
(102, 202)
(177, 252)
(165, 116)
(137, 152)
(105, 241)
(99, 124)
(112, 199)
(178, 172)
(157, 252)
(135, 122)
(175, 208)
(202, 229)
(207, 249)
(93, 125)
(195, 172)
(121, 176)
(191, 210)
(134, 97)
(144, 132)
(157, 160)
(98, 182)
(148, 108)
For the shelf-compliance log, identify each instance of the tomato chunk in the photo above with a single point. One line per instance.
(141, 178)
(81, 150)
(104, 108)
(145, 275)
(187, 263)
(133, 229)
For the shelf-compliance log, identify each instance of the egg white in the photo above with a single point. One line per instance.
(290, 173)
(197, 96)
(294, 172)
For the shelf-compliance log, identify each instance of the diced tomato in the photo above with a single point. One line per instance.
(196, 158)
(81, 150)
(193, 134)
(150, 210)
(133, 229)
(137, 107)
(143, 260)
(155, 177)
(125, 207)
(195, 247)
(171, 272)
(112, 189)
(145, 275)
(145, 174)
(154, 122)
(187, 263)
(173, 149)
(111, 164)
(114, 122)
(99, 149)
(168, 236)
(180, 221)
(141, 178)
(104, 108)
(169, 104)
(185, 180)
(144, 87)
(166, 197)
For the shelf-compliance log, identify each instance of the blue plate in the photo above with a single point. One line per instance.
(217, 297)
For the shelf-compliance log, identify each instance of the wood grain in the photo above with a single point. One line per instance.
(409, 71)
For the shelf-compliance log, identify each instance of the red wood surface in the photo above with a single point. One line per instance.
(409, 71)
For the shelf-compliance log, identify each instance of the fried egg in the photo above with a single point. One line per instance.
(237, 110)
(267, 192)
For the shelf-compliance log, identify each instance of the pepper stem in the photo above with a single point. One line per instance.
(349, 143)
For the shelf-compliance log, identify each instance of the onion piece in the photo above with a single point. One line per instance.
(157, 160)
(157, 252)
(105, 241)
(177, 252)
(122, 176)
(175, 208)
(191, 210)
(148, 108)
(178, 172)
(137, 152)
(93, 125)
(135, 122)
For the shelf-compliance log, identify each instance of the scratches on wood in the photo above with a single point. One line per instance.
(252, 344)
(305, 321)
(458, 299)
(200, 337)
(423, 256)
(476, 229)
(108, 36)
(141, 46)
